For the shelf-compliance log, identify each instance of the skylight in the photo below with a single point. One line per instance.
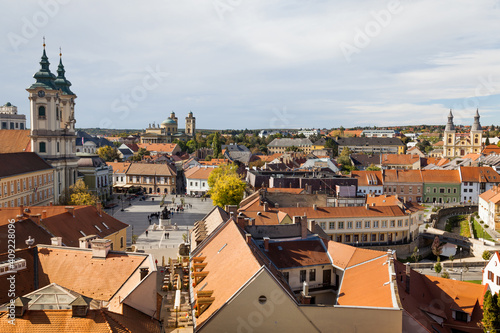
(104, 224)
(83, 233)
(222, 248)
(98, 228)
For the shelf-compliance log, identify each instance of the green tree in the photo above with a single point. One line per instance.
(216, 145)
(226, 186)
(138, 157)
(445, 275)
(373, 167)
(438, 267)
(451, 260)
(415, 254)
(80, 194)
(292, 148)
(487, 142)
(491, 320)
(108, 153)
(486, 255)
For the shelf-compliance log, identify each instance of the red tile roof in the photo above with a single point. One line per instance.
(21, 163)
(297, 253)
(368, 178)
(159, 147)
(399, 159)
(441, 176)
(198, 173)
(491, 149)
(150, 169)
(119, 167)
(332, 212)
(402, 176)
(14, 141)
(285, 190)
(479, 174)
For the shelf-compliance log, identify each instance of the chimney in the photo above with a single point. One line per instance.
(266, 244)
(367, 206)
(99, 208)
(311, 224)
(408, 271)
(315, 207)
(44, 214)
(276, 205)
(241, 220)
(252, 222)
(231, 209)
(373, 204)
(100, 248)
(248, 238)
(298, 204)
(21, 210)
(36, 218)
(266, 206)
(51, 203)
(70, 210)
(56, 241)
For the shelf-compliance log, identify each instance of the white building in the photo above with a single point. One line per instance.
(119, 173)
(197, 180)
(475, 181)
(491, 274)
(369, 182)
(379, 133)
(310, 132)
(9, 119)
(489, 205)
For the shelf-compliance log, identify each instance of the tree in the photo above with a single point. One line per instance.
(486, 255)
(372, 167)
(436, 247)
(80, 194)
(415, 255)
(487, 142)
(216, 145)
(138, 157)
(292, 148)
(445, 275)
(438, 267)
(451, 259)
(108, 153)
(226, 186)
(491, 320)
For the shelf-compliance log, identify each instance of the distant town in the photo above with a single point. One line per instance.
(173, 228)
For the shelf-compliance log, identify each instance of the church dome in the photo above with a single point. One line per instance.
(169, 121)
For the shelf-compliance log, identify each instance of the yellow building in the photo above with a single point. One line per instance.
(25, 179)
(457, 145)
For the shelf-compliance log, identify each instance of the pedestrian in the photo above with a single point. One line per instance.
(165, 235)
(146, 233)
(156, 262)
(168, 235)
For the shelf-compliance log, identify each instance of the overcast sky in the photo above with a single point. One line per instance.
(260, 63)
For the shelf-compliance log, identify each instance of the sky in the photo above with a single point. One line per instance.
(253, 64)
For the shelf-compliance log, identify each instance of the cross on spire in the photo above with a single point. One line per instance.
(60, 52)
(44, 42)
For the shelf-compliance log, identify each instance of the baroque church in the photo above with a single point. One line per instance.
(168, 131)
(460, 144)
(52, 105)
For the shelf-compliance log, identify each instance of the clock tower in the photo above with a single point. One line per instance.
(53, 137)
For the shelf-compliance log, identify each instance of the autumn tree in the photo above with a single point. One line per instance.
(80, 194)
(491, 320)
(436, 247)
(138, 157)
(372, 167)
(226, 186)
(108, 153)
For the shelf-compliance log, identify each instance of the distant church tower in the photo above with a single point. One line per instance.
(190, 124)
(53, 123)
(456, 146)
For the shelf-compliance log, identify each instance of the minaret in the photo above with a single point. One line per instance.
(190, 124)
(53, 124)
(449, 138)
(476, 134)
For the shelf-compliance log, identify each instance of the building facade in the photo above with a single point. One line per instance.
(281, 145)
(152, 178)
(441, 186)
(455, 145)
(9, 119)
(168, 130)
(25, 179)
(52, 105)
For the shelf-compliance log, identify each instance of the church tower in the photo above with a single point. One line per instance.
(190, 124)
(53, 123)
(449, 138)
(476, 135)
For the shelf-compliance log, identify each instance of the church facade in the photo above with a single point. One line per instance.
(459, 144)
(52, 107)
(168, 130)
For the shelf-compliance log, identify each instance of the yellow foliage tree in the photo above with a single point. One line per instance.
(226, 186)
(80, 194)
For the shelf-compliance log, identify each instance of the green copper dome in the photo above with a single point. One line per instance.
(44, 78)
(61, 82)
(169, 121)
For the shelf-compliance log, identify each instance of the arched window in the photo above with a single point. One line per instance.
(41, 111)
(57, 113)
(42, 147)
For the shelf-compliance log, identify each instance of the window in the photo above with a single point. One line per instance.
(349, 225)
(491, 276)
(384, 224)
(347, 238)
(455, 190)
(339, 238)
(402, 189)
(498, 280)
(322, 225)
(364, 237)
(449, 190)
(41, 147)
(356, 238)
(358, 224)
(441, 190)
(406, 223)
(418, 189)
(400, 223)
(302, 275)
(461, 316)
(57, 145)
(410, 189)
(367, 224)
(381, 237)
(393, 223)
(434, 190)
(190, 183)
(375, 224)
(121, 241)
(331, 225)
(341, 225)
(57, 113)
(41, 112)
(312, 274)
(286, 276)
(374, 238)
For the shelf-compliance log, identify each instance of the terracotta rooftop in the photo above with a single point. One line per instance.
(214, 161)
(441, 176)
(492, 195)
(74, 268)
(198, 173)
(344, 255)
(479, 175)
(158, 147)
(285, 190)
(61, 223)
(368, 178)
(297, 253)
(119, 167)
(149, 169)
(331, 212)
(24, 229)
(399, 159)
(273, 217)
(472, 156)
(402, 176)
(491, 149)
(15, 141)
(21, 163)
